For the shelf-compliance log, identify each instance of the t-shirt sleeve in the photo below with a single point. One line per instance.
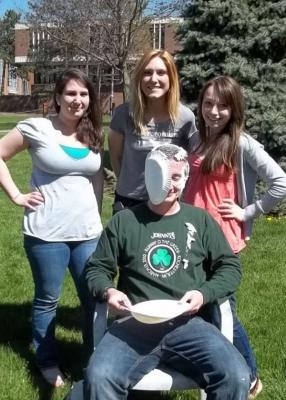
(101, 267)
(120, 119)
(225, 270)
(188, 127)
(29, 129)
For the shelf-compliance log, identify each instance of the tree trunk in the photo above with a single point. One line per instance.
(126, 82)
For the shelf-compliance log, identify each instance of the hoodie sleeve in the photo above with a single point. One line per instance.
(101, 267)
(223, 266)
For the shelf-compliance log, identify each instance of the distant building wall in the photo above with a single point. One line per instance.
(17, 103)
(161, 34)
(171, 42)
(39, 104)
(22, 43)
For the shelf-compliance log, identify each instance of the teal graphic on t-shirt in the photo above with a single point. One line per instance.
(76, 152)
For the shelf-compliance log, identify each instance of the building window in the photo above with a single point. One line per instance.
(158, 35)
(12, 79)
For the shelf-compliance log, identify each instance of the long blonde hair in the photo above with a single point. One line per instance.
(138, 99)
(221, 149)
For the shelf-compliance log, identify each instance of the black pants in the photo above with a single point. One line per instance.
(121, 202)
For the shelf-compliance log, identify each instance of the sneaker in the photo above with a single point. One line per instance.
(255, 389)
(53, 376)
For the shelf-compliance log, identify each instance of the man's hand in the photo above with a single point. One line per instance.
(229, 209)
(195, 299)
(117, 301)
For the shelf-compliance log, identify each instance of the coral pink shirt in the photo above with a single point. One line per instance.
(207, 191)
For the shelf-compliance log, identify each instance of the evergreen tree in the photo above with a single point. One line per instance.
(245, 39)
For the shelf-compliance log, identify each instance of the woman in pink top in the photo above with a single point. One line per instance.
(224, 165)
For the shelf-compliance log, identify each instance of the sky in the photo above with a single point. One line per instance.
(22, 5)
(17, 5)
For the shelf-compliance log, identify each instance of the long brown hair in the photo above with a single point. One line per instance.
(89, 128)
(221, 149)
(138, 99)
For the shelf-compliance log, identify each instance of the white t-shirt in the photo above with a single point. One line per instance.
(63, 175)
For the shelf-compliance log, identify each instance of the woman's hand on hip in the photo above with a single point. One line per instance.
(229, 209)
(29, 200)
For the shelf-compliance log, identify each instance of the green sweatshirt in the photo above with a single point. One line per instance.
(162, 257)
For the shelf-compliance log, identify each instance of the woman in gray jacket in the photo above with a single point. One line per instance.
(225, 164)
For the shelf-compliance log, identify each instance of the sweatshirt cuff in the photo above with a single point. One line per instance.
(208, 298)
(252, 211)
(101, 293)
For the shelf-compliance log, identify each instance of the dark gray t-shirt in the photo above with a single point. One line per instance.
(131, 182)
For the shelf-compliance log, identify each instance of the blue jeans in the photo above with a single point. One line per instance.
(240, 338)
(192, 346)
(49, 262)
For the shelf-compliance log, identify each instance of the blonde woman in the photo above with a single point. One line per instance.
(153, 116)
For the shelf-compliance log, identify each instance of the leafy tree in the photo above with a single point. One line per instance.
(94, 32)
(90, 32)
(245, 39)
(7, 49)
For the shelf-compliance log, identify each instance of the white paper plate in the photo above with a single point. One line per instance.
(157, 311)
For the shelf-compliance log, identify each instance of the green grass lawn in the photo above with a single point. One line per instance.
(8, 121)
(260, 306)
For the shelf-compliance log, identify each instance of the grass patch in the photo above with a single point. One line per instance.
(260, 307)
(9, 121)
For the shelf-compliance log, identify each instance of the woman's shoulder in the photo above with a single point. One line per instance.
(34, 125)
(35, 121)
(247, 142)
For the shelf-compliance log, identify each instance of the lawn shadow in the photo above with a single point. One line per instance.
(16, 334)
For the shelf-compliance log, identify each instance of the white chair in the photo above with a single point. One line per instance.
(163, 379)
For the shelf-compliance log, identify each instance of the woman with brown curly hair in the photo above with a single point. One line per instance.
(62, 209)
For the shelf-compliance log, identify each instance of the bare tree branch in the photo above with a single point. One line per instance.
(109, 32)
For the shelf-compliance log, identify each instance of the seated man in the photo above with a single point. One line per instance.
(165, 250)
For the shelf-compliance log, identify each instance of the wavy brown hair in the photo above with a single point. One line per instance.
(221, 149)
(138, 99)
(89, 128)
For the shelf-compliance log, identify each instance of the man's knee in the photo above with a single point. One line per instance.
(239, 374)
(99, 372)
(95, 372)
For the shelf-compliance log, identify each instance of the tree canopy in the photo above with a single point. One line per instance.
(245, 39)
(7, 40)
